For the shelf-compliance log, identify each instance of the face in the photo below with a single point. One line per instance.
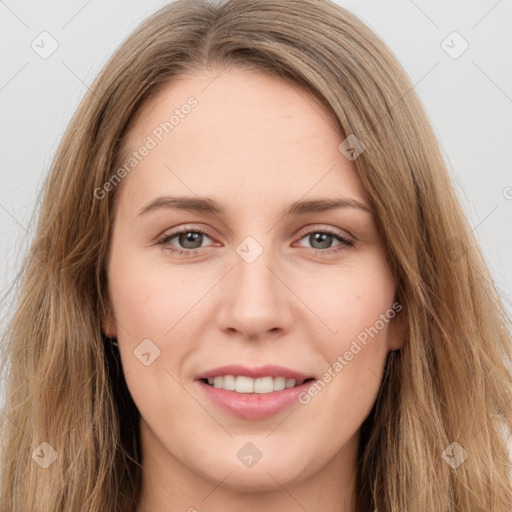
(278, 291)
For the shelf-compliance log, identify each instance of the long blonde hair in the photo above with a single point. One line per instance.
(450, 383)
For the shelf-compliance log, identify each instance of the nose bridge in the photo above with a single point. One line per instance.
(257, 301)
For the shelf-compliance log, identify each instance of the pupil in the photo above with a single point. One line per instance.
(185, 238)
(323, 238)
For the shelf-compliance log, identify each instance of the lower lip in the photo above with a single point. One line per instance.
(253, 406)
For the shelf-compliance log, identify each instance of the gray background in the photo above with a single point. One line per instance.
(468, 99)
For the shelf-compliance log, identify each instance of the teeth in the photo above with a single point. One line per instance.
(243, 384)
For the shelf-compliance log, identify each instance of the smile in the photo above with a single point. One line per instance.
(261, 385)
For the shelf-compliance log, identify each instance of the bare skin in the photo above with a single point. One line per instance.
(255, 144)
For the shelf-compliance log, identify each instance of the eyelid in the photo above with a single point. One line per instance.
(184, 229)
(328, 229)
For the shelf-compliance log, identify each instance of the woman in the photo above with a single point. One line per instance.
(181, 342)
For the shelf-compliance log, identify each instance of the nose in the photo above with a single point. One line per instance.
(257, 301)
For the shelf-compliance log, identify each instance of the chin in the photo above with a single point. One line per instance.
(267, 474)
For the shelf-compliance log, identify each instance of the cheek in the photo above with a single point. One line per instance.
(358, 314)
(147, 297)
(147, 304)
(158, 312)
(351, 298)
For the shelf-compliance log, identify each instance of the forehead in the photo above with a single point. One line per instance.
(248, 136)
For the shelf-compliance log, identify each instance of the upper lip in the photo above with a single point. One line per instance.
(268, 370)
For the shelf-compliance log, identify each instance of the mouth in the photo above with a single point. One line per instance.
(247, 385)
(253, 392)
(252, 403)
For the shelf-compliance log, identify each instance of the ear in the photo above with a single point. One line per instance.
(397, 331)
(108, 320)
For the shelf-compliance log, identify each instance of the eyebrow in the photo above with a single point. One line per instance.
(210, 205)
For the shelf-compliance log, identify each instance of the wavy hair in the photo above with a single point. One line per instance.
(450, 382)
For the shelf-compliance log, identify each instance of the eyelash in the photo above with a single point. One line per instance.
(344, 242)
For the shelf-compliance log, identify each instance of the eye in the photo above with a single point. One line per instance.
(189, 239)
(321, 240)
